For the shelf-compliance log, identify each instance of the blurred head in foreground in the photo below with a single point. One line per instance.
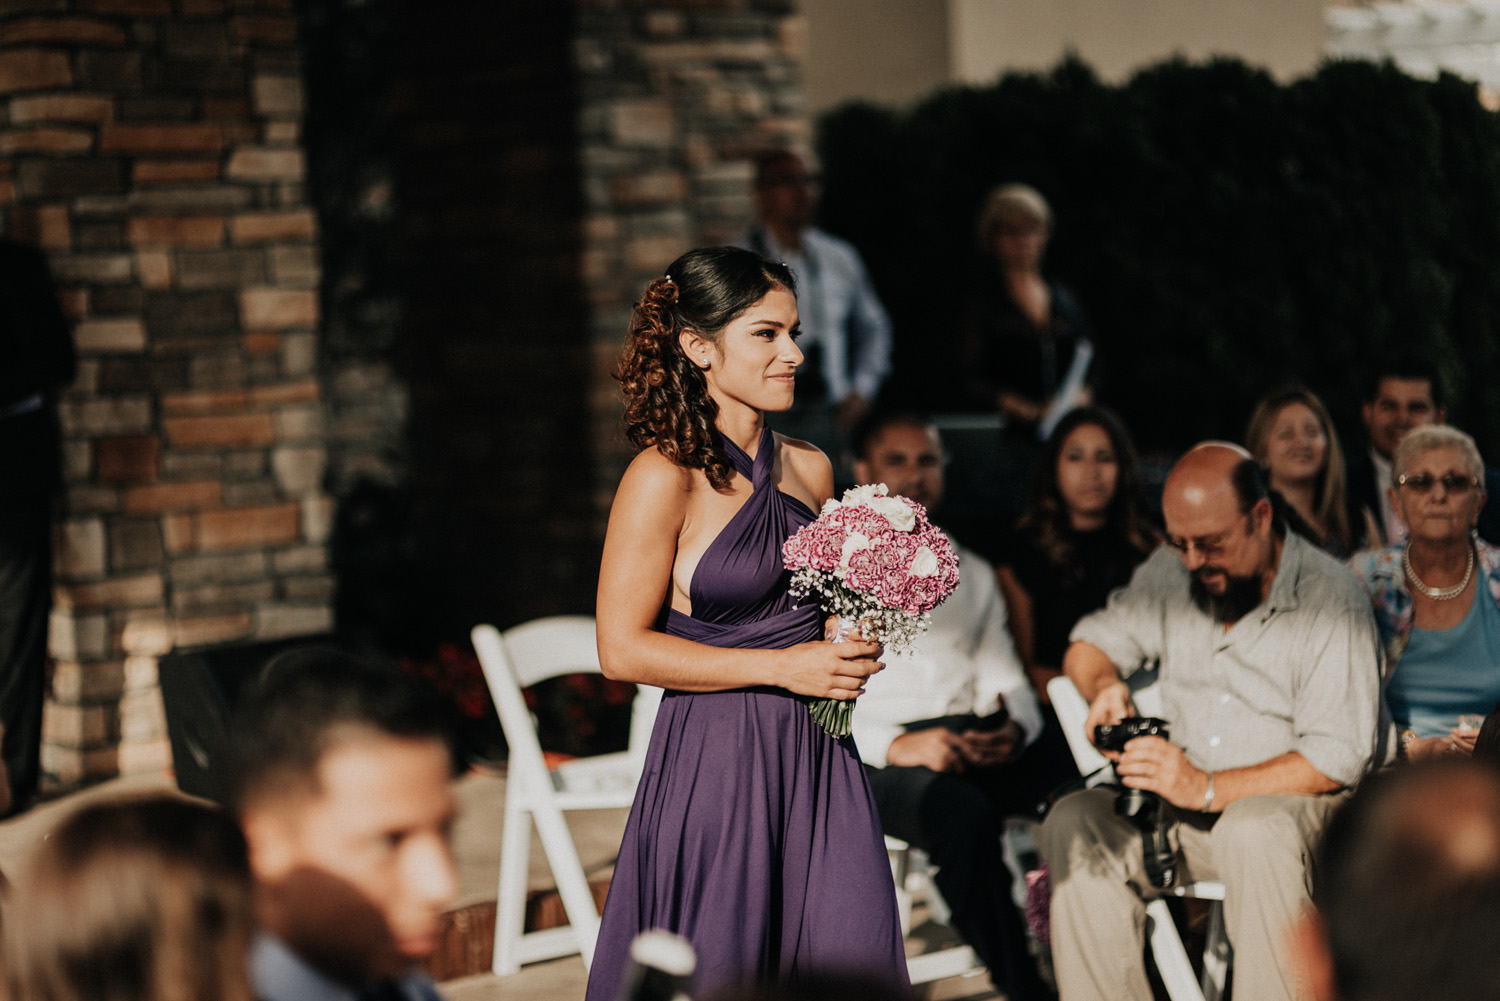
(1406, 890)
(343, 780)
(135, 900)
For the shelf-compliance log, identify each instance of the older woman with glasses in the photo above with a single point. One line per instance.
(1437, 596)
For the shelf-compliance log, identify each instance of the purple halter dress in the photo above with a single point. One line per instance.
(753, 833)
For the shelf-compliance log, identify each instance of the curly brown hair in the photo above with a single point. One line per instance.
(667, 405)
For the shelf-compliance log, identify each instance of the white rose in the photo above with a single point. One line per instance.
(855, 542)
(864, 494)
(830, 505)
(901, 517)
(925, 564)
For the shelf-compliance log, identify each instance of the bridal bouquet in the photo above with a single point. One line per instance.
(878, 564)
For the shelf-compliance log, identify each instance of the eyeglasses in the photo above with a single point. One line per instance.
(1207, 546)
(1452, 482)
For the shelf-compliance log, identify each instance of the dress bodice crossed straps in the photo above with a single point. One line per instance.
(739, 589)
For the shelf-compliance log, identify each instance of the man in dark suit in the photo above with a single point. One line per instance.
(37, 359)
(1403, 394)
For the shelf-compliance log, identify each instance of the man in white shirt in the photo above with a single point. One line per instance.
(846, 334)
(938, 728)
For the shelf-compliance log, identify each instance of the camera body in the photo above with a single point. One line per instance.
(1141, 808)
(1114, 736)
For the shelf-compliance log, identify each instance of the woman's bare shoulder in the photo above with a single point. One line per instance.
(808, 466)
(652, 478)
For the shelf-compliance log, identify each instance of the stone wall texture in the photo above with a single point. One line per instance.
(489, 184)
(153, 149)
(676, 99)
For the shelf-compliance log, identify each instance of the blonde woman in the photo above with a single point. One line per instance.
(1292, 438)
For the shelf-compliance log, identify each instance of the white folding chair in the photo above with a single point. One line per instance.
(522, 656)
(1166, 945)
(913, 875)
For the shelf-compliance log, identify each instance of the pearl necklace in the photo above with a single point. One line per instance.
(1437, 593)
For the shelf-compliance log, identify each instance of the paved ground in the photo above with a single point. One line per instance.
(477, 849)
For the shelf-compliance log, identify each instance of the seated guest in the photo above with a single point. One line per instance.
(1437, 595)
(343, 787)
(1406, 891)
(1292, 437)
(1084, 532)
(942, 729)
(1269, 684)
(133, 900)
(1404, 394)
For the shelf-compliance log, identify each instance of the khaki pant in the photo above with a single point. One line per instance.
(1259, 848)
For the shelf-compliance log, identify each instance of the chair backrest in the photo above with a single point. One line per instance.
(1073, 712)
(546, 648)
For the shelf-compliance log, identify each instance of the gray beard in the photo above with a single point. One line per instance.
(1241, 595)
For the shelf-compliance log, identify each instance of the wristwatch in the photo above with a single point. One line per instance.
(1407, 736)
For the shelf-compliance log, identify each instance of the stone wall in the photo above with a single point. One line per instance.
(499, 179)
(531, 164)
(152, 149)
(676, 99)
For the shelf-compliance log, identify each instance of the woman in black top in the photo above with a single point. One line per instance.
(1024, 343)
(1084, 533)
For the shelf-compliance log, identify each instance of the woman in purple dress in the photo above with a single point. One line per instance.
(753, 833)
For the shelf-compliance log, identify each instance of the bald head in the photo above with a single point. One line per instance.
(1220, 523)
(1407, 886)
(1207, 476)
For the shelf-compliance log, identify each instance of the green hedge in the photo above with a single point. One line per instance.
(1226, 234)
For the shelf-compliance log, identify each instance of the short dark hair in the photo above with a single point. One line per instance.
(1407, 913)
(309, 699)
(874, 423)
(1249, 485)
(1405, 366)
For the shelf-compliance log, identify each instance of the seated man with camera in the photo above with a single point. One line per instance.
(1269, 682)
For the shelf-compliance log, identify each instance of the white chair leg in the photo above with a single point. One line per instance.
(572, 884)
(896, 852)
(1216, 955)
(1171, 958)
(510, 896)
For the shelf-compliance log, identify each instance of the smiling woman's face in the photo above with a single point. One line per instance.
(1297, 447)
(754, 361)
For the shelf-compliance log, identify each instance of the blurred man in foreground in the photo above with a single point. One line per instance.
(344, 789)
(1407, 889)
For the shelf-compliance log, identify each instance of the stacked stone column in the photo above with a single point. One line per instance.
(153, 149)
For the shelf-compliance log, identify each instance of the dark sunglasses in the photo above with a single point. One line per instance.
(1452, 482)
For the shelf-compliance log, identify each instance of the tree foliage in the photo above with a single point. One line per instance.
(1227, 234)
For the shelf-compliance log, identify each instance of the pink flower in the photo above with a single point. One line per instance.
(867, 546)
